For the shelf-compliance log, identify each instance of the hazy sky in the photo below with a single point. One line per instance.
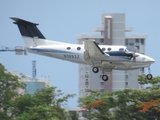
(63, 20)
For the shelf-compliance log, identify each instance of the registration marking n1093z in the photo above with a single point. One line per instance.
(71, 56)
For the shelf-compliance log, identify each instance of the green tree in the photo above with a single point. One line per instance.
(45, 104)
(122, 105)
(73, 115)
(8, 85)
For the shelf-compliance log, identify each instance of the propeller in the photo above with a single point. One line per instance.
(134, 56)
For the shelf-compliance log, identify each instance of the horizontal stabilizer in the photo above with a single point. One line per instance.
(27, 28)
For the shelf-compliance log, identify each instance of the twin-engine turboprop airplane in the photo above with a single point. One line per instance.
(106, 57)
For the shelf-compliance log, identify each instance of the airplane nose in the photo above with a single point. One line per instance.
(151, 60)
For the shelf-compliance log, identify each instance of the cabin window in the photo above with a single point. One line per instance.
(103, 49)
(109, 49)
(68, 48)
(121, 49)
(78, 48)
(127, 50)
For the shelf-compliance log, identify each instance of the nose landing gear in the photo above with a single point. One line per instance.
(96, 70)
(149, 76)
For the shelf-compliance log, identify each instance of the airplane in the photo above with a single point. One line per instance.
(105, 57)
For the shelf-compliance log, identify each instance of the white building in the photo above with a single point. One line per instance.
(112, 32)
(32, 85)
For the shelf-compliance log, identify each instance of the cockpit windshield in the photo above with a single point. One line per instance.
(127, 50)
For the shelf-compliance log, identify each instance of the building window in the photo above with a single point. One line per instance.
(126, 76)
(86, 83)
(137, 47)
(101, 40)
(86, 76)
(97, 43)
(142, 69)
(101, 83)
(100, 76)
(78, 48)
(86, 90)
(109, 49)
(137, 40)
(131, 44)
(142, 41)
(126, 41)
(68, 48)
(103, 49)
(101, 90)
(126, 83)
(102, 33)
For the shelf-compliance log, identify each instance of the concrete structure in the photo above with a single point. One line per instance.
(79, 111)
(32, 84)
(112, 32)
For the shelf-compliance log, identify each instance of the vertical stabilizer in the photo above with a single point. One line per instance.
(29, 32)
(28, 29)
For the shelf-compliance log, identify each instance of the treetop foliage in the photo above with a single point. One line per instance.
(45, 104)
(143, 104)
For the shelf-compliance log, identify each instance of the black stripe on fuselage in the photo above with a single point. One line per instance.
(119, 54)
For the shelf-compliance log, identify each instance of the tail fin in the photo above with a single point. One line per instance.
(28, 29)
(31, 35)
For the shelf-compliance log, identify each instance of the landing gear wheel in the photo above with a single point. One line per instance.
(149, 76)
(95, 69)
(104, 77)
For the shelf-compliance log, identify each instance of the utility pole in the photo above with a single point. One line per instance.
(34, 69)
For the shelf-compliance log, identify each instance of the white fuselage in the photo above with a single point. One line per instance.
(75, 53)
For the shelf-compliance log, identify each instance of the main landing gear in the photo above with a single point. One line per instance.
(96, 70)
(105, 77)
(149, 76)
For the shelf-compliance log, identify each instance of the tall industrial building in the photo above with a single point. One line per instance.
(112, 32)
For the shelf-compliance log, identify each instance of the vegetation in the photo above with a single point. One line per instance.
(126, 104)
(45, 104)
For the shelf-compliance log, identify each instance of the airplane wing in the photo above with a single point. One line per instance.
(94, 50)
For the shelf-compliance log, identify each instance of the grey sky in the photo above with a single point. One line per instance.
(62, 20)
